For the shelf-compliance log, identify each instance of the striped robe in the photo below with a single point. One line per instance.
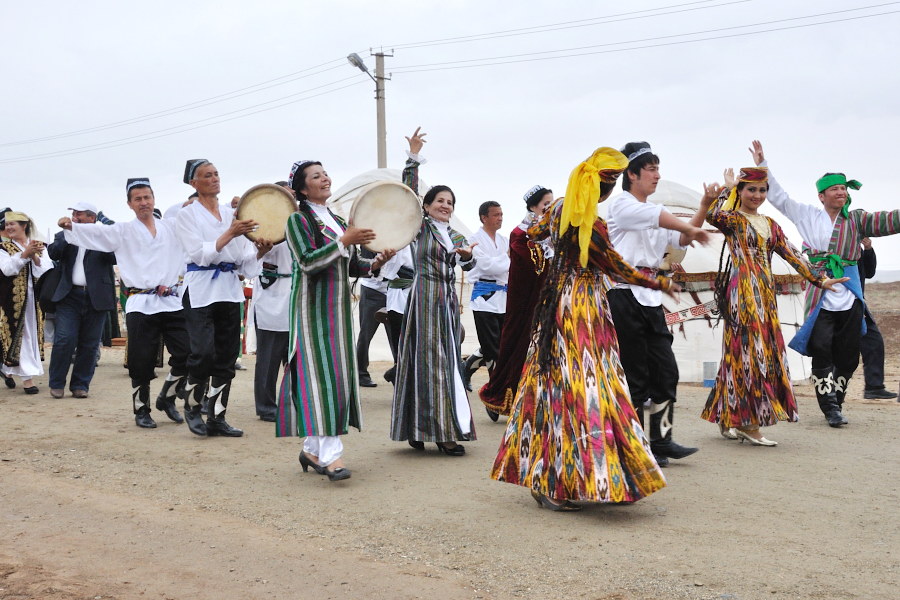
(424, 407)
(319, 392)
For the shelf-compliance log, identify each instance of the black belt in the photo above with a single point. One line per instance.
(79, 287)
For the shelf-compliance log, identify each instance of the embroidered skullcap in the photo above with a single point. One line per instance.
(297, 167)
(137, 182)
(534, 195)
(190, 168)
(583, 192)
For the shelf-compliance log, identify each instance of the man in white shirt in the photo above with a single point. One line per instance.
(372, 298)
(215, 250)
(489, 279)
(151, 264)
(641, 231)
(271, 315)
(832, 238)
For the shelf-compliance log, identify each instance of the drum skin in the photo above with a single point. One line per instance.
(392, 210)
(270, 206)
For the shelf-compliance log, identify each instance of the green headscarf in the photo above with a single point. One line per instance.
(831, 179)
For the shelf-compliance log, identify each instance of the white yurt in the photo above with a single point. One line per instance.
(698, 341)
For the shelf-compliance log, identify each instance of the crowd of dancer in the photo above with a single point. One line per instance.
(568, 314)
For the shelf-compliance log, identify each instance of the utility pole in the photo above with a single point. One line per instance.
(379, 79)
(379, 109)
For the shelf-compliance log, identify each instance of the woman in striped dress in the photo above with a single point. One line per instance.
(319, 396)
(573, 434)
(430, 401)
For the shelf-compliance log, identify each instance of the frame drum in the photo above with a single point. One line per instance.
(392, 210)
(270, 206)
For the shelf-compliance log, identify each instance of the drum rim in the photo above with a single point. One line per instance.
(268, 187)
(375, 184)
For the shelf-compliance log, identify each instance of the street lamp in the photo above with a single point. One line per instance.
(355, 60)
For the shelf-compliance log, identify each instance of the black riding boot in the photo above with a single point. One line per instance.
(140, 399)
(166, 399)
(473, 363)
(638, 405)
(661, 416)
(826, 395)
(193, 392)
(841, 381)
(216, 405)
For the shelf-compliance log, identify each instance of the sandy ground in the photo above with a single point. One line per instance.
(92, 507)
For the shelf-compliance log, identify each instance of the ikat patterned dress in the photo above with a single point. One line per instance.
(753, 386)
(319, 392)
(573, 434)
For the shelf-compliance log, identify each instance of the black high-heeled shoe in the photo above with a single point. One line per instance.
(9, 381)
(457, 450)
(307, 462)
(338, 474)
(415, 445)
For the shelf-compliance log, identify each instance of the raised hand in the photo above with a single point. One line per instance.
(382, 257)
(710, 193)
(465, 252)
(416, 141)
(728, 174)
(756, 150)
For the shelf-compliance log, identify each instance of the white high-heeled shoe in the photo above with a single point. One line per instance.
(727, 432)
(761, 441)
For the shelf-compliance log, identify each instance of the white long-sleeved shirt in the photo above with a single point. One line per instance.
(491, 263)
(11, 264)
(271, 304)
(816, 227)
(397, 297)
(198, 231)
(145, 261)
(635, 234)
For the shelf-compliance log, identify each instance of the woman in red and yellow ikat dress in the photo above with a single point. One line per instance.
(573, 435)
(753, 386)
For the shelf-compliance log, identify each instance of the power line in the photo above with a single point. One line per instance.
(252, 89)
(184, 127)
(614, 18)
(537, 56)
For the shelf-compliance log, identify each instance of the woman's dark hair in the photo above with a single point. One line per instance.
(635, 166)
(431, 194)
(298, 183)
(536, 198)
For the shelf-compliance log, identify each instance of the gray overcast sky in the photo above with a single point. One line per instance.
(820, 97)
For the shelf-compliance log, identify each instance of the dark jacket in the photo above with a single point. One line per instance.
(98, 272)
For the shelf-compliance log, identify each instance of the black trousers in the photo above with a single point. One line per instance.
(370, 301)
(645, 348)
(144, 332)
(215, 339)
(271, 354)
(395, 320)
(871, 347)
(488, 326)
(834, 342)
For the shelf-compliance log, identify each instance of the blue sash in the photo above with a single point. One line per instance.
(486, 288)
(801, 340)
(224, 267)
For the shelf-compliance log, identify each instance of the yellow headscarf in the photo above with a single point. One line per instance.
(583, 192)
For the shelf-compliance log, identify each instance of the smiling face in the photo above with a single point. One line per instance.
(16, 231)
(442, 207)
(142, 202)
(316, 184)
(753, 195)
(834, 198)
(206, 180)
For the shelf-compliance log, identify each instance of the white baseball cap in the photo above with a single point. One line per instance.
(81, 205)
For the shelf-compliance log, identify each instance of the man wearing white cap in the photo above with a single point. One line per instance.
(85, 294)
